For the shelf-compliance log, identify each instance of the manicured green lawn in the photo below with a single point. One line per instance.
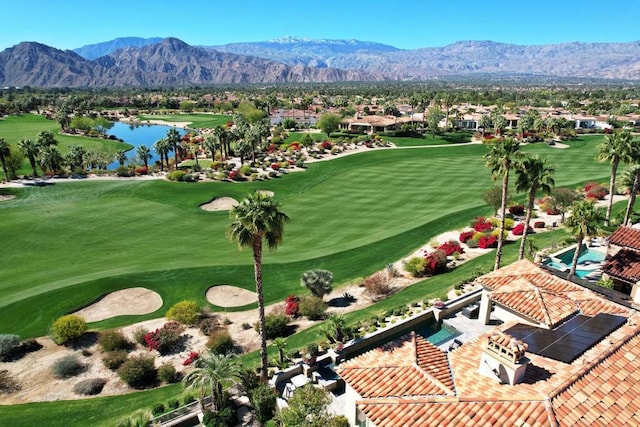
(197, 120)
(67, 244)
(428, 139)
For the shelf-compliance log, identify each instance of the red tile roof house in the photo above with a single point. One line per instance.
(569, 358)
(623, 264)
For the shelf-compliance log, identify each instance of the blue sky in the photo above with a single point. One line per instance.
(68, 24)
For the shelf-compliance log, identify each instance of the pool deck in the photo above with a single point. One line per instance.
(470, 328)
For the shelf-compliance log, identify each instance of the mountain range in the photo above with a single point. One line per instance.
(134, 61)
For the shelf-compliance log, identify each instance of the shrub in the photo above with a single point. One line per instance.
(596, 192)
(114, 359)
(90, 386)
(516, 210)
(222, 417)
(8, 384)
(187, 312)
(176, 175)
(123, 171)
(8, 343)
(291, 307)
(263, 400)
(158, 409)
(480, 224)
(142, 170)
(220, 342)
(518, 230)
(317, 281)
(508, 223)
(173, 404)
(188, 399)
(139, 334)
(113, 340)
(67, 328)
(415, 266)
(378, 284)
(167, 373)
(466, 235)
(539, 224)
(138, 372)
(208, 325)
(193, 356)
(165, 339)
(245, 170)
(451, 247)
(312, 307)
(435, 262)
(487, 241)
(67, 367)
(276, 325)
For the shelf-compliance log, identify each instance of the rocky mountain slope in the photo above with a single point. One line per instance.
(93, 51)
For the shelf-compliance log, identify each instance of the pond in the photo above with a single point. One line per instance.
(137, 136)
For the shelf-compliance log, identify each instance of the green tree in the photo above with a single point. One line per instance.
(143, 154)
(616, 148)
(629, 183)
(584, 221)
(329, 123)
(562, 199)
(256, 218)
(5, 152)
(46, 139)
(307, 408)
(223, 136)
(493, 198)
(502, 157)
(213, 374)
(211, 144)
(532, 174)
(121, 157)
(50, 159)
(30, 149)
(173, 136)
(317, 281)
(162, 148)
(434, 115)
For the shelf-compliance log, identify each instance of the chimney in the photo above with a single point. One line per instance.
(503, 357)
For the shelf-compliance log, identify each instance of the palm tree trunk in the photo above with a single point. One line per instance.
(632, 198)
(576, 254)
(503, 211)
(175, 156)
(4, 169)
(612, 182)
(33, 166)
(527, 218)
(257, 264)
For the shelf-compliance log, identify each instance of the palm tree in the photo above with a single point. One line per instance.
(532, 174)
(46, 139)
(210, 144)
(162, 148)
(616, 148)
(281, 344)
(584, 221)
(173, 136)
(254, 219)
(121, 157)
(501, 159)
(629, 183)
(213, 373)
(143, 154)
(31, 150)
(5, 151)
(223, 137)
(50, 159)
(76, 157)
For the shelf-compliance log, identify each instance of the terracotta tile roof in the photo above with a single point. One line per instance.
(538, 295)
(458, 413)
(625, 265)
(409, 366)
(606, 392)
(628, 237)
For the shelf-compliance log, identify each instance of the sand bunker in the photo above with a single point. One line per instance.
(266, 193)
(123, 302)
(230, 296)
(219, 204)
(4, 197)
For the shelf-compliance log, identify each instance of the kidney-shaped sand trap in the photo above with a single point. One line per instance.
(120, 303)
(219, 204)
(230, 296)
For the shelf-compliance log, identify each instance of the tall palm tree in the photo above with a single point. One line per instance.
(210, 144)
(501, 159)
(256, 218)
(173, 136)
(629, 183)
(616, 148)
(162, 148)
(222, 135)
(46, 139)
(50, 159)
(584, 221)
(213, 373)
(30, 149)
(532, 174)
(143, 154)
(121, 157)
(5, 151)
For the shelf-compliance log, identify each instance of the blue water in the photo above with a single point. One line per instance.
(586, 256)
(137, 136)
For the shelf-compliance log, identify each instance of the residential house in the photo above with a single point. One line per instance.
(623, 261)
(567, 357)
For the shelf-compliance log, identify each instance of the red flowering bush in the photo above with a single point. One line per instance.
(466, 235)
(291, 307)
(193, 356)
(589, 185)
(229, 124)
(516, 210)
(435, 262)
(326, 145)
(295, 145)
(596, 192)
(164, 339)
(272, 148)
(481, 224)
(233, 174)
(518, 230)
(488, 241)
(143, 170)
(275, 166)
(451, 247)
(539, 224)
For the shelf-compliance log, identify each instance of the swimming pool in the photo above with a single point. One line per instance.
(590, 261)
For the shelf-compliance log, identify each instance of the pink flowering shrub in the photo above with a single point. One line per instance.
(451, 247)
(291, 307)
(481, 224)
(466, 235)
(488, 241)
(193, 356)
